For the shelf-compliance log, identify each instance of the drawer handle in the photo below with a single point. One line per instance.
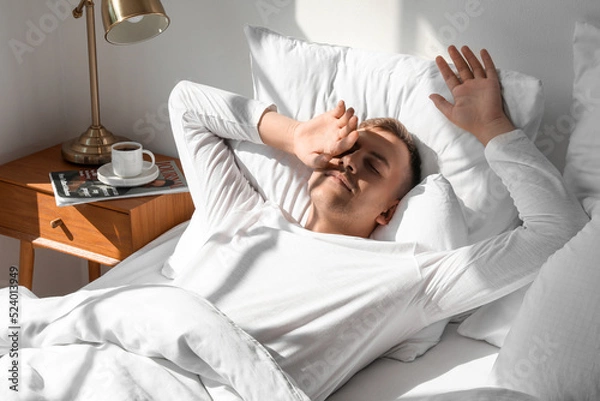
(56, 223)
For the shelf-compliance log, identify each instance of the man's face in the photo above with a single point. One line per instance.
(364, 182)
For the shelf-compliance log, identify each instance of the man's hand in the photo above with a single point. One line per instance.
(327, 135)
(477, 96)
(315, 142)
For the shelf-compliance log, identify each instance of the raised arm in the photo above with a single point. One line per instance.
(468, 277)
(315, 142)
(202, 118)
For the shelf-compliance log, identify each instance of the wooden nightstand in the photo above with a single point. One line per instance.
(103, 232)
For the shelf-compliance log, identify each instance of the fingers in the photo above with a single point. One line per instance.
(347, 142)
(344, 144)
(347, 135)
(463, 69)
(346, 121)
(475, 68)
(339, 110)
(490, 68)
(343, 135)
(351, 124)
(345, 118)
(321, 161)
(441, 103)
(449, 76)
(467, 66)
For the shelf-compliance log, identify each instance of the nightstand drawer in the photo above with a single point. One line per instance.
(87, 226)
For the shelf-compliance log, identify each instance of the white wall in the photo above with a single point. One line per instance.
(44, 96)
(32, 98)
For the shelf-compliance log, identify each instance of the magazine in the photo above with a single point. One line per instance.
(74, 187)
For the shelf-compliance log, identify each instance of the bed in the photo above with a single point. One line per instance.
(540, 342)
(456, 363)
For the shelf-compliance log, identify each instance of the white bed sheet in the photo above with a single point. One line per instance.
(456, 363)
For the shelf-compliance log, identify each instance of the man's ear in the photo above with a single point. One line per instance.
(385, 216)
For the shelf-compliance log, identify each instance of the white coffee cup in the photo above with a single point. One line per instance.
(128, 159)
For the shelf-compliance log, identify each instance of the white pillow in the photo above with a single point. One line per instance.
(304, 79)
(553, 348)
(429, 215)
(582, 166)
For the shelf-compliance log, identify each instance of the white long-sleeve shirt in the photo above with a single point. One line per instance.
(326, 305)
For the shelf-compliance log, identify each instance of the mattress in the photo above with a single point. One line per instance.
(456, 363)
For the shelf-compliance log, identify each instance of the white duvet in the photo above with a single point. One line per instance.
(146, 342)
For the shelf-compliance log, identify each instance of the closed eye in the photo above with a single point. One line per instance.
(373, 168)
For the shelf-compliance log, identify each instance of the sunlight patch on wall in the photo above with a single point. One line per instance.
(357, 23)
(425, 40)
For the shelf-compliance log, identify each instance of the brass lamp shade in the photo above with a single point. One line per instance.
(125, 21)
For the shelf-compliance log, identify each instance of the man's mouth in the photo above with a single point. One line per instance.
(342, 178)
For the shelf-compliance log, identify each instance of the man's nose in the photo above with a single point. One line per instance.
(348, 161)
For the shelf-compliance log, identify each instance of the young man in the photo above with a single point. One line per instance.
(323, 299)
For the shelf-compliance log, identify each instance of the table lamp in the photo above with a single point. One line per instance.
(125, 22)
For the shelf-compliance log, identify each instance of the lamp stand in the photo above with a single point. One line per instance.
(93, 146)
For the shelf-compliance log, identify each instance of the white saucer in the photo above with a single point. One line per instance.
(108, 177)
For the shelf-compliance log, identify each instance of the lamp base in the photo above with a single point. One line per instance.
(92, 147)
